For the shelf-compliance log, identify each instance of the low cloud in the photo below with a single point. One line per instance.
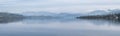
(55, 5)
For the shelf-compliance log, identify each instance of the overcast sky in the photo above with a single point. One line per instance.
(81, 6)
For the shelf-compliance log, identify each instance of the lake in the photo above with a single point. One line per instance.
(60, 27)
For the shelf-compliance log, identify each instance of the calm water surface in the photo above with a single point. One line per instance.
(66, 27)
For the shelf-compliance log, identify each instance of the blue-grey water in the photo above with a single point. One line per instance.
(60, 27)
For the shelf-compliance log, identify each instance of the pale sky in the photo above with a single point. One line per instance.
(74, 6)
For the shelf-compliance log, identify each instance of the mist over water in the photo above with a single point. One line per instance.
(44, 23)
(62, 26)
(59, 18)
(60, 21)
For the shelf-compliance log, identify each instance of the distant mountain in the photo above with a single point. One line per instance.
(42, 13)
(114, 11)
(98, 12)
(50, 15)
(112, 15)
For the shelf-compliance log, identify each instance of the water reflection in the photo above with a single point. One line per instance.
(43, 21)
(104, 21)
(94, 21)
(10, 20)
(60, 27)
